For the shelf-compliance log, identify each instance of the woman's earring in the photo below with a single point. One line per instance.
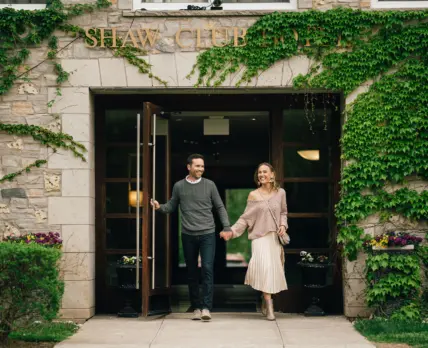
(258, 183)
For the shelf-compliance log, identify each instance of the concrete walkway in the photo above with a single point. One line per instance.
(226, 330)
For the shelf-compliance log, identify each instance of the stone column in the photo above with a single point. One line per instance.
(74, 210)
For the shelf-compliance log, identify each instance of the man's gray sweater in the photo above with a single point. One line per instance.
(196, 202)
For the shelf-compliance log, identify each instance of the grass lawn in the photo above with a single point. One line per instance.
(377, 330)
(42, 335)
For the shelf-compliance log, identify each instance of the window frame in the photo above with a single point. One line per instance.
(176, 6)
(24, 6)
(399, 4)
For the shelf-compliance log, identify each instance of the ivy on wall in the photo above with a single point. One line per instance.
(394, 282)
(385, 137)
(22, 30)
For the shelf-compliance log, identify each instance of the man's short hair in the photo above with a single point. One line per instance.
(192, 157)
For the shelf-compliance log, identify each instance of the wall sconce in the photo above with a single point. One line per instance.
(132, 198)
(310, 155)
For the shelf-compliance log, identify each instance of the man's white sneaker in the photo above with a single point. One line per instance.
(206, 315)
(197, 314)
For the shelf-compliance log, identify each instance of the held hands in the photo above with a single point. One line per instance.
(226, 235)
(281, 231)
(155, 204)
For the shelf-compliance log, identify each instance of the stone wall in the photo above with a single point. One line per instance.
(354, 276)
(60, 197)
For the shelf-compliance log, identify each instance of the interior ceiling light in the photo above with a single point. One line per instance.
(310, 155)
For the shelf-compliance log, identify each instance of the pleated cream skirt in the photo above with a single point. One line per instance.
(266, 268)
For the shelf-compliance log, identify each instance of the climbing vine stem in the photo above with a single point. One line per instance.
(22, 30)
(385, 136)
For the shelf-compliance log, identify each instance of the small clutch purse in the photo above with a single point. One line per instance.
(285, 239)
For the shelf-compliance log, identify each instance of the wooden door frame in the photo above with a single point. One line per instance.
(277, 146)
(146, 216)
(100, 163)
(149, 109)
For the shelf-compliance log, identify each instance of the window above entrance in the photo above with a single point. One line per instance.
(23, 4)
(402, 4)
(174, 5)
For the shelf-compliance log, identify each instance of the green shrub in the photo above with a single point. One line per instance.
(30, 287)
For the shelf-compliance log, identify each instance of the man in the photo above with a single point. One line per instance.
(196, 197)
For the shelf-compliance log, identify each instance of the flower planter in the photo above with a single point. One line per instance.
(126, 277)
(314, 277)
(395, 248)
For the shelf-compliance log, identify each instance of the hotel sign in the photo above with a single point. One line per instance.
(144, 37)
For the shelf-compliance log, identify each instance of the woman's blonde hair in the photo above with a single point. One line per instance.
(274, 184)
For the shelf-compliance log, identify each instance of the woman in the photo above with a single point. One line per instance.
(265, 217)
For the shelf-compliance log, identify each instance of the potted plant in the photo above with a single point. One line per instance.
(314, 276)
(126, 276)
(314, 269)
(392, 241)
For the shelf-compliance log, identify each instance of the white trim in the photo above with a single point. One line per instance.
(175, 6)
(406, 247)
(399, 4)
(24, 6)
(197, 181)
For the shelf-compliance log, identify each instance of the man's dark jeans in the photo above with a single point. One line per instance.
(192, 245)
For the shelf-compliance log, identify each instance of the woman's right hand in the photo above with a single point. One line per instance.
(226, 235)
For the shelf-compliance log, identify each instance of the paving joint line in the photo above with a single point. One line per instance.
(157, 333)
(280, 334)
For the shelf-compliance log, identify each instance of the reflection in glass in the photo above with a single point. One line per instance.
(292, 270)
(297, 166)
(161, 225)
(118, 197)
(307, 197)
(238, 252)
(121, 125)
(297, 126)
(121, 162)
(120, 233)
(309, 232)
(111, 269)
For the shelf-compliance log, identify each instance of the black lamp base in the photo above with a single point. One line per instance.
(314, 310)
(127, 311)
(216, 8)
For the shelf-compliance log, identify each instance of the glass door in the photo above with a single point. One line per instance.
(132, 166)
(156, 231)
